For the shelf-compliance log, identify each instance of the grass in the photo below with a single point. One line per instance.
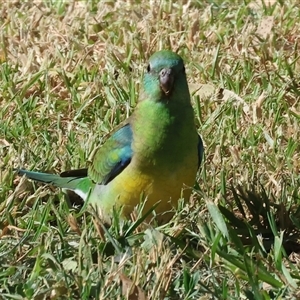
(71, 71)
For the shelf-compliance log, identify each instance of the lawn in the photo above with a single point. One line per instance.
(72, 70)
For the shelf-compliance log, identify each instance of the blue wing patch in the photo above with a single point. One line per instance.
(122, 153)
(112, 157)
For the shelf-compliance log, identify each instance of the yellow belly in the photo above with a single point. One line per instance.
(163, 185)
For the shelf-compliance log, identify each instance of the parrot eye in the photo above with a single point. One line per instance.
(148, 69)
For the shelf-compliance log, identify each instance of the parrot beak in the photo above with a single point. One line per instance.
(166, 79)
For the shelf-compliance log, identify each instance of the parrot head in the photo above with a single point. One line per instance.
(165, 76)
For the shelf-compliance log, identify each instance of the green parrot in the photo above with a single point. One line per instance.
(154, 154)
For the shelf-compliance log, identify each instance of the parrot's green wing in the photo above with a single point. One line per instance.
(112, 157)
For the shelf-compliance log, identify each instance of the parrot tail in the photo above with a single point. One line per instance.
(77, 184)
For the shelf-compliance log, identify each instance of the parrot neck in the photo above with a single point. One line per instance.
(162, 130)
